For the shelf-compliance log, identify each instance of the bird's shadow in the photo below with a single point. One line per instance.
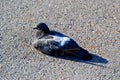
(96, 60)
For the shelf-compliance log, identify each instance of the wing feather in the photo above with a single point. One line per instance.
(46, 44)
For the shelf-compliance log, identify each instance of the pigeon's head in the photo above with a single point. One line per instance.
(42, 27)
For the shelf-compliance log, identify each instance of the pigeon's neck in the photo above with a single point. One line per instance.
(40, 34)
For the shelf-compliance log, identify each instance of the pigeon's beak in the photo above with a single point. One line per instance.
(35, 27)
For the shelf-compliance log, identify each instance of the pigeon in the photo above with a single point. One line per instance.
(54, 43)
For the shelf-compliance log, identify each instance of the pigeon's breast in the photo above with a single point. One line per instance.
(62, 40)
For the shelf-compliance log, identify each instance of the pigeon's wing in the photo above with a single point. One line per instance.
(47, 45)
(71, 47)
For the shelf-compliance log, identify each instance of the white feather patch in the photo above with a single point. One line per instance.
(61, 39)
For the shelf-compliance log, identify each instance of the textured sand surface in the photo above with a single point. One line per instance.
(93, 24)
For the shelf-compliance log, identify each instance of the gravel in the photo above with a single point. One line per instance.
(93, 24)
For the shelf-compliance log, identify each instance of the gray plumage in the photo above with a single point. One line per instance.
(55, 44)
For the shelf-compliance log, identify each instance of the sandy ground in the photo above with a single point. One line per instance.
(93, 24)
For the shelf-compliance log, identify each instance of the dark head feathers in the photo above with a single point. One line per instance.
(43, 27)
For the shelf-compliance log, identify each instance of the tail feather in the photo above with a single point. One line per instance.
(79, 52)
(84, 54)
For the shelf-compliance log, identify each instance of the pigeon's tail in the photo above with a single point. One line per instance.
(84, 54)
(80, 52)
